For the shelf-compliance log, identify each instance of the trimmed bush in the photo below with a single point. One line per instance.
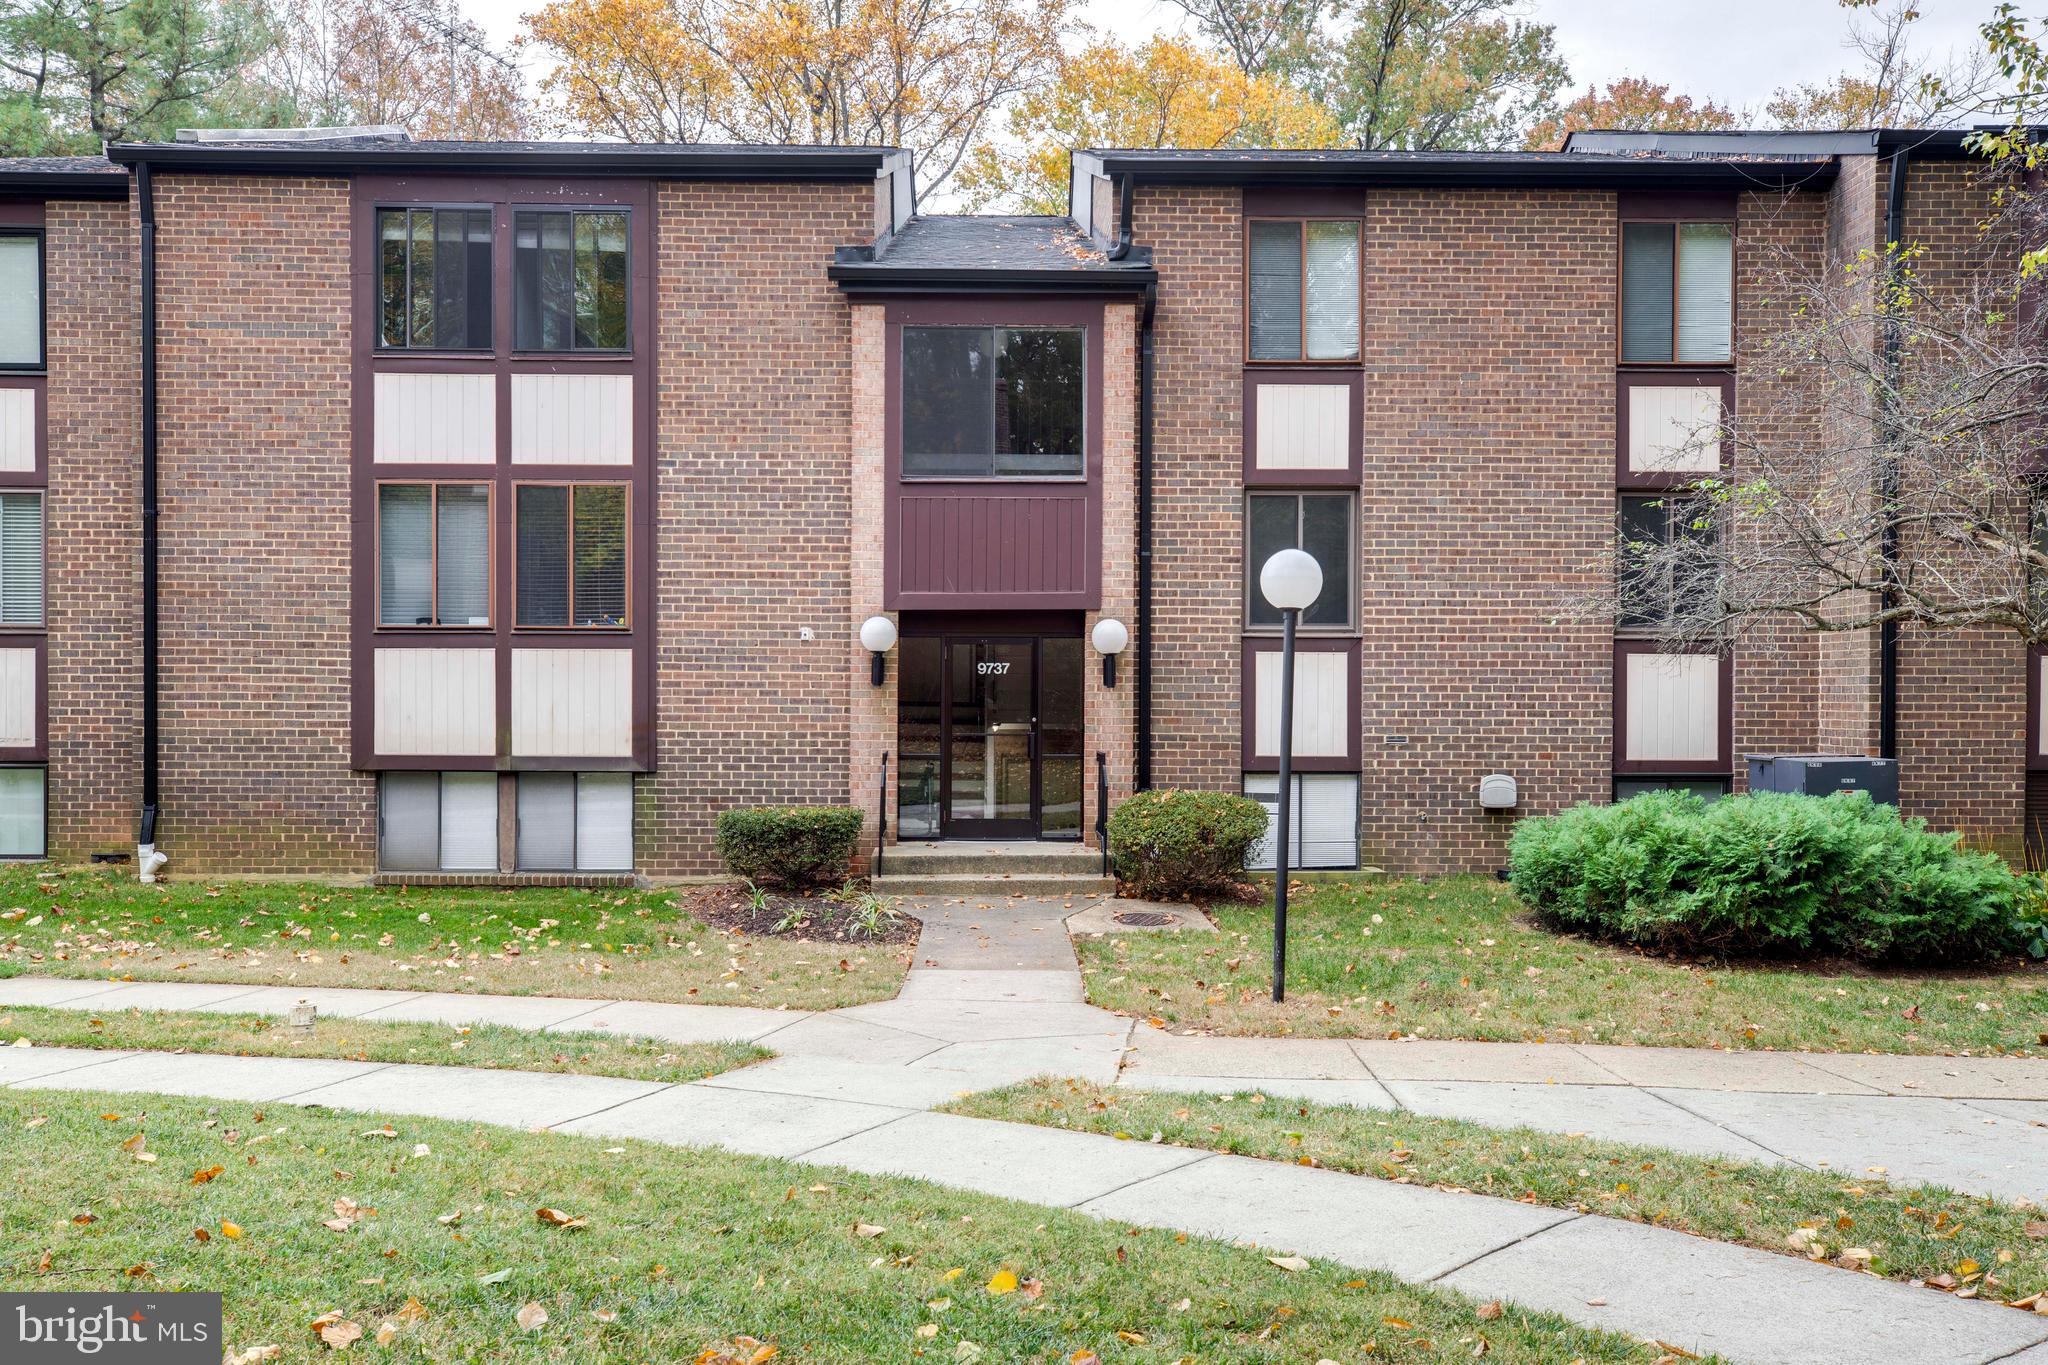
(1768, 874)
(790, 846)
(1171, 844)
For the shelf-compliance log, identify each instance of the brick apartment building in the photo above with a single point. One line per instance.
(506, 509)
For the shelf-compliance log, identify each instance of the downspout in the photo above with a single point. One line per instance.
(147, 859)
(1122, 248)
(1143, 680)
(1888, 478)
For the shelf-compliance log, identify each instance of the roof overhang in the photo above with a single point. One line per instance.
(862, 278)
(62, 185)
(1554, 170)
(861, 164)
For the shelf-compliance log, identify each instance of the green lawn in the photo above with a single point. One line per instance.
(1906, 1232)
(682, 1251)
(1462, 958)
(610, 944)
(485, 1045)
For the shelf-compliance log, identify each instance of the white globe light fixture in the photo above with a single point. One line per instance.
(1290, 580)
(1109, 638)
(878, 637)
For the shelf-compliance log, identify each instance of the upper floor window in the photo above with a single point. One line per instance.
(434, 279)
(1655, 586)
(569, 280)
(434, 554)
(21, 559)
(993, 402)
(1320, 523)
(1677, 293)
(571, 547)
(21, 299)
(1302, 288)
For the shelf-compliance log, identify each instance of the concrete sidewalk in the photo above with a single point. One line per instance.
(995, 998)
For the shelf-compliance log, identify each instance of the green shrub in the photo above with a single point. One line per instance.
(1170, 844)
(791, 846)
(1766, 874)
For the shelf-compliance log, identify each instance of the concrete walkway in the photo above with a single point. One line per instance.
(995, 997)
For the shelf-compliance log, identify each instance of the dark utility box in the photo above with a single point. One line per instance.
(1820, 774)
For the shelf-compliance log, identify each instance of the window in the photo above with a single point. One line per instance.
(1649, 594)
(21, 559)
(22, 812)
(993, 402)
(1320, 523)
(1322, 808)
(434, 554)
(569, 280)
(576, 822)
(1677, 293)
(21, 299)
(1303, 289)
(1706, 788)
(572, 555)
(434, 279)
(437, 822)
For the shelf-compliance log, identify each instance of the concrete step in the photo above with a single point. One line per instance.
(1075, 885)
(994, 859)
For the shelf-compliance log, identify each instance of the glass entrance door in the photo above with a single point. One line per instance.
(989, 737)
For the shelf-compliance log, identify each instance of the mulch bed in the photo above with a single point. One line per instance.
(728, 906)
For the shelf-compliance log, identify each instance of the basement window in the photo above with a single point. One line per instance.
(23, 812)
(1323, 809)
(437, 822)
(575, 822)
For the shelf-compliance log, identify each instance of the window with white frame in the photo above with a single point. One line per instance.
(437, 822)
(575, 822)
(1323, 813)
(23, 812)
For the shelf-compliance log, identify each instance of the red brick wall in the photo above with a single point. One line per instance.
(754, 451)
(253, 302)
(92, 534)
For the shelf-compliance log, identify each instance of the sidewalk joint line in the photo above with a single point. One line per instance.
(1579, 1050)
(606, 1109)
(101, 1059)
(292, 1096)
(572, 1018)
(2016, 1351)
(1726, 1128)
(807, 1153)
(1569, 1217)
(1200, 1157)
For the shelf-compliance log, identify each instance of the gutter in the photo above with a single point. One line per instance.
(862, 277)
(1888, 484)
(824, 163)
(62, 185)
(1581, 171)
(147, 859)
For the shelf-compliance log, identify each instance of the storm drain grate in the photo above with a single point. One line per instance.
(1145, 919)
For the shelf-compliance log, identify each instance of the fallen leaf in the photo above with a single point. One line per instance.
(341, 1334)
(1003, 1282)
(201, 1177)
(229, 1230)
(531, 1318)
(556, 1218)
(1489, 1311)
(928, 1330)
(495, 1277)
(387, 1332)
(414, 1311)
(1289, 1262)
(865, 1230)
(1135, 1338)
(256, 1355)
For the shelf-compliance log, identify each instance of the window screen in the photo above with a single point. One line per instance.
(434, 279)
(21, 299)
(1648, 593)
(21, 559)
(469, 822)
(1302, 287)
(547, 821)
(1320, 523)
(1275, 291)
(22, 812)
(1677, 292)
(993, 402)
(569, 280)
(1332, 320)
(409, 822)
(1323, 811)
(572, 553)
(434, 554)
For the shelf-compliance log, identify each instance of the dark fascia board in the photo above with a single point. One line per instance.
(856, 278)
(63, 185)
(1578, 172)
(675, 163)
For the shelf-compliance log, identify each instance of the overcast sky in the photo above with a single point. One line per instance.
(1735, 52)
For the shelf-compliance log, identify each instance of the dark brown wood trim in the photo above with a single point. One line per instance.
(1720, 766)
(1673, 206)
(1302, 202)
(1018, 311)
(502, 194)
(1722, 377)
(1348, 477)
(2037, 761)
(934, 624)
(1255, 762)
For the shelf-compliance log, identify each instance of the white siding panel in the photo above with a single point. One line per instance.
(572, 703)
(1322, 712)
(17, 698)
(436, 418)
(2041, 705)
(1674, 708)
(437, 702)
(17, 431)
(572, 419)
(1304, 426)
(1674, 428)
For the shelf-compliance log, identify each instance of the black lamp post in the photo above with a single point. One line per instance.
(1291, 580)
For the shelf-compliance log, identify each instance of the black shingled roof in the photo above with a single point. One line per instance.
(62, 177)
(975, 252)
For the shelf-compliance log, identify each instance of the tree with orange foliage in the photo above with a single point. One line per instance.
(924, 75)
(419, 64)
(1633, 103)
(1168, 93)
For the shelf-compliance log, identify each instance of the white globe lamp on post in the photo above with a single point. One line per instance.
(878, 637)
(1109, 637)
(1291, 580)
